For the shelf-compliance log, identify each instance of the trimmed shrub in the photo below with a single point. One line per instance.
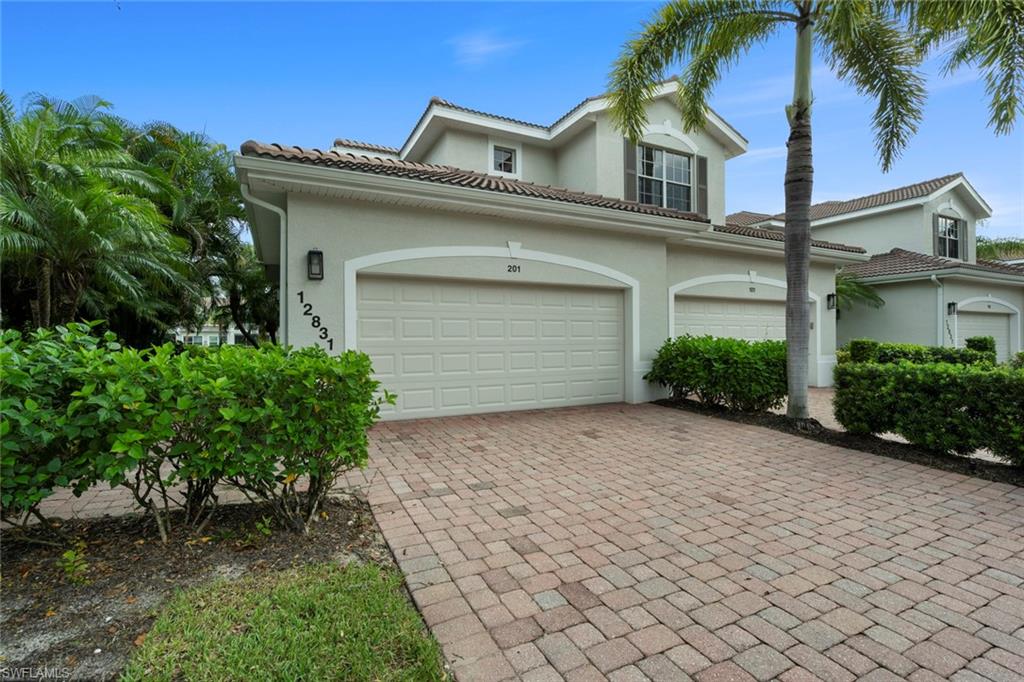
(279, 424)
(43, 443)
(1017, 361)
(941, 407)
(868, 350)
(863, 350)
(742, 375)
(984, 344)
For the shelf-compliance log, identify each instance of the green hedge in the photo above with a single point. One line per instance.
(984, 344)
(279, 424)
(941, 407)
(869, 350)
(742, 375)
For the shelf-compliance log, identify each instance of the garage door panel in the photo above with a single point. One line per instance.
(450, 348)
(996, 325)
(742, 319)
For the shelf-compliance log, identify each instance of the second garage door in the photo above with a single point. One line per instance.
(730, 317)
(448, 347)
(996, 325)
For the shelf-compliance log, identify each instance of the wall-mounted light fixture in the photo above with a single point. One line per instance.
(951, 308)
(830, 301)
(315, 264)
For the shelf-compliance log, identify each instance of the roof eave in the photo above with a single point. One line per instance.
(947, 273)
(369, 186)
(757, 244)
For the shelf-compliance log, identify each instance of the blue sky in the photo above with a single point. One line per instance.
(307, 73)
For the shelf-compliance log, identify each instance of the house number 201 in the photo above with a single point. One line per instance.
(315, 322)
(515, 268)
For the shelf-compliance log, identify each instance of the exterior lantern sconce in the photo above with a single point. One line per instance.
(951, 308)
(830, 301)
(315, 264)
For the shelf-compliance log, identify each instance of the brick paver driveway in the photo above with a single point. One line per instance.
(635, 542)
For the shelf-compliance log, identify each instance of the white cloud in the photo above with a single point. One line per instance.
(762, 154)
(480, 47)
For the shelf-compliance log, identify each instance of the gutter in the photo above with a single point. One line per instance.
(938, 309)
(282, 312)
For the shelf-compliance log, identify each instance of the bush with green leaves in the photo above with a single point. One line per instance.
(279, 424)
(869, 350)
(939, 406)
(739, 374)
(1017, 361)
(43, 442)
(984, 344)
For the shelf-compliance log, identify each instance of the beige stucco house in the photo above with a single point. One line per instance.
(491, 264)
(924, 264)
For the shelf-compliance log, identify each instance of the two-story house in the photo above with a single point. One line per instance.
(491, 264)
(925, 265)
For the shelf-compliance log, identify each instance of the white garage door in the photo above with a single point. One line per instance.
(734, 318)
(996, 325)
(448, 347)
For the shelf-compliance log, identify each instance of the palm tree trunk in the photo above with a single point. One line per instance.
(43, 293)
(799, 182)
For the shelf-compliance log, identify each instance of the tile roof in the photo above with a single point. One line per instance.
(745, 218)
(449, 175)
(779, 236)
(368, 146)
(902, 262)
(827, 209)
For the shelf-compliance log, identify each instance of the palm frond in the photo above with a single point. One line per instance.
(869, 51)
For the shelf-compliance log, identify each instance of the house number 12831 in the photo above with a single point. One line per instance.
(322, 332)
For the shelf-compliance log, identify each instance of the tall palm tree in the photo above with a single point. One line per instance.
(77, 224)
(860, 41)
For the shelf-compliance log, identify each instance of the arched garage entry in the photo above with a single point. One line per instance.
(746, 306)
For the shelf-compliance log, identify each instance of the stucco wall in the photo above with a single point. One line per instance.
(611, 171)
(577, 162)
(345, 230)
(903, 229)
(909, 228)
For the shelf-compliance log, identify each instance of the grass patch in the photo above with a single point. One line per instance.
(321, 622)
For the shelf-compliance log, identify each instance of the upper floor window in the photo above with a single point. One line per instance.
(948, 233)
(664, 178)
(504, 159)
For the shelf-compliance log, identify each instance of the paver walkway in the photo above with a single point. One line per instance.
(633, 541)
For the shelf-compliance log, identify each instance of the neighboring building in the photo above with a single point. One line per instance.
(209, 335)
(491, 264)
(924, 265)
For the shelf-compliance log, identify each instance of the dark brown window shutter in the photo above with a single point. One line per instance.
(935, 233)
(629, 161)
(702, 186)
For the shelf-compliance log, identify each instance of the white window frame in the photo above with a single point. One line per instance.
(665, 182)
(517, 159)
(941, 241)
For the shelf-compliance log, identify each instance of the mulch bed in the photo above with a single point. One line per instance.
(90, 629)
(813, 430)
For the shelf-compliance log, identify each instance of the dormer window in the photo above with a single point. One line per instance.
(504, 160)
(664, 178)
(948, 233)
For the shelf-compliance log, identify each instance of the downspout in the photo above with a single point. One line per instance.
(938, 311)
(282, 306)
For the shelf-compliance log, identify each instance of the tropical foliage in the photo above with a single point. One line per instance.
(104, 219)
(851, 291)
(876, 47)
(1005, 248)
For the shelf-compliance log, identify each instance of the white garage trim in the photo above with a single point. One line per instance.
(1015, 321)
(634, 384)
(824, 363)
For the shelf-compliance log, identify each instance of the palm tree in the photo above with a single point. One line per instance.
(77, 225)
(860, 41)
(1003, 248)
(850, 290)
(985, 34)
